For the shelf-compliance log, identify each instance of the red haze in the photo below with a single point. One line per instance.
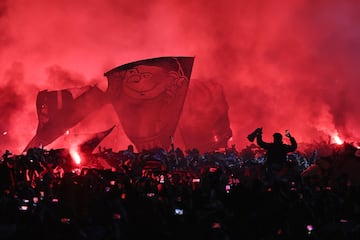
(283, 64)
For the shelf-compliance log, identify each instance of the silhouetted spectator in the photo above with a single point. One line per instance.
(7, 174)
(276, 155)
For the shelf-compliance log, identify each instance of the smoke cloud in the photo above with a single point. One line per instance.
(283, 64)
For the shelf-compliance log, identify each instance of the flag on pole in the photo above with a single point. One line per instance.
(60, 110)
(92, 142)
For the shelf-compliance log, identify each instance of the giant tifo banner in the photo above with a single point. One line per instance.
(148, 97)
(153, 98)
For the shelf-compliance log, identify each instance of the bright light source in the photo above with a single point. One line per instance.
(337, 139)
(75, 156)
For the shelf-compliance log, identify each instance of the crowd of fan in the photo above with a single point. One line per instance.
(161, 194)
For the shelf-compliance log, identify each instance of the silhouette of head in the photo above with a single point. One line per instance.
(130, 148)
(277, 138)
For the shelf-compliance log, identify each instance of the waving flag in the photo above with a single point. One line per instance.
(91, 143)
(60, 110)
(148, 96)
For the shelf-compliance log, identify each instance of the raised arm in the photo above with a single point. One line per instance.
(293, 143)
(260, 142)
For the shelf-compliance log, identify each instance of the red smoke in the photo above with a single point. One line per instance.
(283, 64)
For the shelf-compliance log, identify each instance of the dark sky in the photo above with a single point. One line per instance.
(283, 64)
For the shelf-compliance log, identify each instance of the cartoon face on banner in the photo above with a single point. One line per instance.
(146, 82)
(148, 97)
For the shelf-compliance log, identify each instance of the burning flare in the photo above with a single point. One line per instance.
(75, 156)
(336, 139)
